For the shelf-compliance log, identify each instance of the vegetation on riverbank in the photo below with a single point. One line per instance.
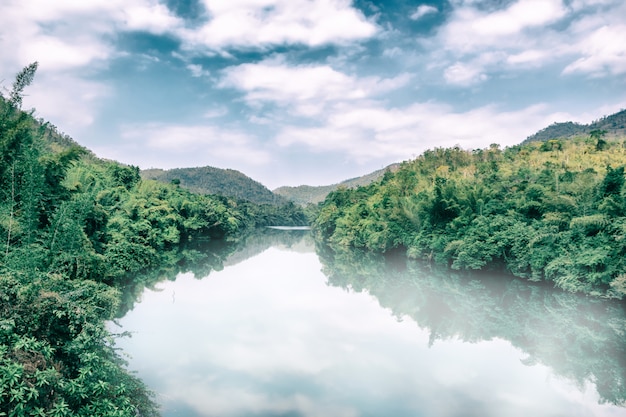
(547, 211)
(80, 236)
(74, 230)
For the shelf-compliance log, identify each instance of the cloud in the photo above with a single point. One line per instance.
(205, 144)
(603, 52)
(153, 18)
(327, 110)
(476, 42)
(262, 23)
(471, 30)
(66, 34)
(422, 10)
(276, 339)
(306, 90)
(273, 80)
(66, 100)
(464, 74)
(519, 16)
(215, 113)
(586, 36)
(370, 133)
(528, 57)
(197, 70)
(72, 41)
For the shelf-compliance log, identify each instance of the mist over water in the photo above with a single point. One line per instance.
(288, 329)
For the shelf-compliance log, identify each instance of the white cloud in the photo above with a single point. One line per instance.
(71, 40)
(215, 113)
(472, 30)
(370, 133)
(66, 100)
(519, 16)
(586, 36)
(272, 80)
(582, 4)
(349, 114)
(68, 34)
(422, 10)
(197, 70)
(603, 52)
(153, 18)
(305, 89)
(55, 54)
(530, 56)
(205, 144)
(260, 23)
(463, 74)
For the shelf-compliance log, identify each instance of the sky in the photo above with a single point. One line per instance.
(293, 92)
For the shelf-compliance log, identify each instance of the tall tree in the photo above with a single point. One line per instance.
(22, 80)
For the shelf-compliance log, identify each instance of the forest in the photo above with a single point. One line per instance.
(550, 211)
(77, 234)
(81, 236)
(210, 180)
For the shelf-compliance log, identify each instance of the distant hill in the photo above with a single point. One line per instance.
(210, 180)
(305, 194)
(614, 125)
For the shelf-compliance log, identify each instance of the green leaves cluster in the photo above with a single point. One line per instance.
(56, 355)
(210, 180)
(74, 231)
(544, 211)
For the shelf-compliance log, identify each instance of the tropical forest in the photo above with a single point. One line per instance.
(82, 237)
(76, 231)
(547, 211)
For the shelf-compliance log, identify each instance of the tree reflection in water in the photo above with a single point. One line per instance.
(580, 337)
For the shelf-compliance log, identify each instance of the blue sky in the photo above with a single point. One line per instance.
(311, 91)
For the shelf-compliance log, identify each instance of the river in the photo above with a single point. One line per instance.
(288, 329)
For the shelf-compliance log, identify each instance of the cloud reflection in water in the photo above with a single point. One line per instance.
(270, 337)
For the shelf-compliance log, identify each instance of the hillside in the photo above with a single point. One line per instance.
(80, 237)
(305, 194)
(554, 213)
(210, 180)
(614, 125)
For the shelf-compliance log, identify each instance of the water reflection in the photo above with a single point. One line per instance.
(268, 336)
(200, 258)
(579, 337)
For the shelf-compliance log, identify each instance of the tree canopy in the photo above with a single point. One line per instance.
(547, 211)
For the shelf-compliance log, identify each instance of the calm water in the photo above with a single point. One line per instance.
(283, 331)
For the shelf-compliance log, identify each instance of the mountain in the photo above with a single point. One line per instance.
(614, 125)
(210, 180)
(305, 194)
(546, 213)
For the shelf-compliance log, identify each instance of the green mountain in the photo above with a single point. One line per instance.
(80, 237)
(305, 194)
(210, 180)
(614, 126)
(554, 213)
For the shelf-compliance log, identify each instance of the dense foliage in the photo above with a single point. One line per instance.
(210, 180)
(613, 126)
(553, 211)
(307, 194)
(74, 232)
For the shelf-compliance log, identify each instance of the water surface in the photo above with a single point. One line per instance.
(283, 331)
